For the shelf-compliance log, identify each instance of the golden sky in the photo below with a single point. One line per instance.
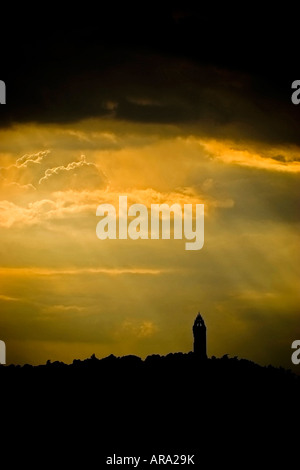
(66, 294)
(165, 105)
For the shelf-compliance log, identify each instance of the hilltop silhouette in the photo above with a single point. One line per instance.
(216, 408)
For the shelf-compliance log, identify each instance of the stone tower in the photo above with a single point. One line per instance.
(199, 332)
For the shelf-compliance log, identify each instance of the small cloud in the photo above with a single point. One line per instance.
(110, 105)
(31, 158)
(142, 329)
(147, 328)
(264, 158)
(286, 158)
(280, 158)
(35, 212)
(36, 271)
(76, 175)
(61, 309)
(22, 176)
(8, 298)
(13, 188)
(142, 101)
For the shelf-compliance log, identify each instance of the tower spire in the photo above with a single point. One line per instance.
(199, 332)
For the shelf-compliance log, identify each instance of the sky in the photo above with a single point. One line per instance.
(164, 105)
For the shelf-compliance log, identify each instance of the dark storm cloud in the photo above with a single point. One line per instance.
(228, 74)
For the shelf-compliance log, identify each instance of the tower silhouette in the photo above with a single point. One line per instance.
(199, 332)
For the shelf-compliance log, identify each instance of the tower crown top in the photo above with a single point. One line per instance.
(199, 322)
(199, 332)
